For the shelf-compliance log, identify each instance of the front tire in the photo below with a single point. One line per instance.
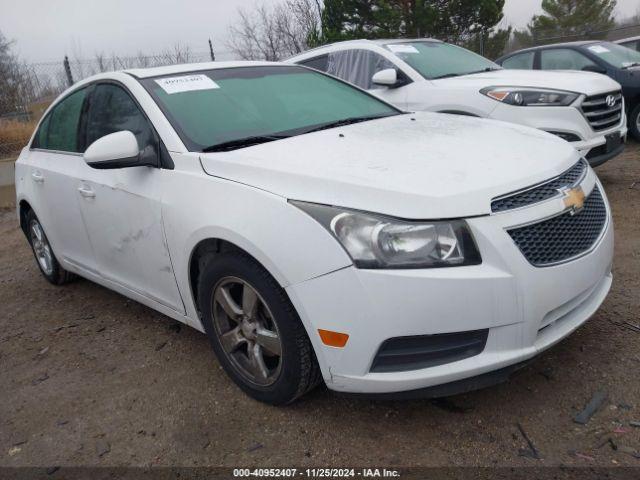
(45, 258)
(634, 122)
(254, 330)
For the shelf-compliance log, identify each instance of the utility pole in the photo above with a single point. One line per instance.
(67, 70)
(213, 55)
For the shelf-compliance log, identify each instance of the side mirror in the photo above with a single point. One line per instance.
(116, 150)
(387, 78)
(594, 69)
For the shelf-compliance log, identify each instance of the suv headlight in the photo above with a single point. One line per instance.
(376, 241)
(530, 97)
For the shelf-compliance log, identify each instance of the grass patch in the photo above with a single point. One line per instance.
(14, 135)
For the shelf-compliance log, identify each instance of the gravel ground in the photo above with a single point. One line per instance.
(91, 378)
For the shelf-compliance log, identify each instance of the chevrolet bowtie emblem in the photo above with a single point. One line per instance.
(574, 199)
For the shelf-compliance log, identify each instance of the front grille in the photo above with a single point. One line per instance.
(565, 236)
(402, 354)
(600, 115)
(541, 192)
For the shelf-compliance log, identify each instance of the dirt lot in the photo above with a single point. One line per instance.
(91, 378)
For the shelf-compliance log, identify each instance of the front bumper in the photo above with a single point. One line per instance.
(568, 120)
(506, 295)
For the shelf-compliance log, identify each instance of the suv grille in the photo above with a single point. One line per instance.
(565, 236)
(542, 192)
(599, 113)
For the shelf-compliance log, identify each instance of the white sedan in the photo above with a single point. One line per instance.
(314, 231)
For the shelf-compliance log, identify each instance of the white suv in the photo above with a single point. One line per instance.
(431, 75)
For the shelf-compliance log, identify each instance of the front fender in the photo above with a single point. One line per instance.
(288, 243)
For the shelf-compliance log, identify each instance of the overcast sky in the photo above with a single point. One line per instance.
(46, 30)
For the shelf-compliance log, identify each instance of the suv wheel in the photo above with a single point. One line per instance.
(254, 330)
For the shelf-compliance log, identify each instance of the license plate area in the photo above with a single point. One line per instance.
(614, 140)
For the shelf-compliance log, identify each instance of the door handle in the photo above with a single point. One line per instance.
(86, 192)
(37, 177)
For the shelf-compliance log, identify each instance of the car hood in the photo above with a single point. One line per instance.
(588, 83)
(415, 166)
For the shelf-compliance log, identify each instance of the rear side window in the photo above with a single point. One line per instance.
(563, 59)
(59, 131)
(112, 110)
(635, 45)
(357, 66)
(522, 61)
(40, 140)
(318, 63)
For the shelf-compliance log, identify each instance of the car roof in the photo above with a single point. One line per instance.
(365, 42)
(580, 43)
(194, 67)
(630, 39)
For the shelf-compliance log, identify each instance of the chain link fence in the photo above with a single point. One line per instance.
(30, 88)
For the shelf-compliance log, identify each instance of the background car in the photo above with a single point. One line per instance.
(435, 76)
(314, 231)
(633, 43)
(618, 62)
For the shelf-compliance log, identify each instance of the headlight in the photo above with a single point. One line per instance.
(375, 241)
(529, 97)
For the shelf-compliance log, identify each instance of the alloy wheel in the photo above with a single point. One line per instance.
(41, 247)
(247, 331)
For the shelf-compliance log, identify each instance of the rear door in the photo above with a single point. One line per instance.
(564, 59)
(122, 208)
(54, 165)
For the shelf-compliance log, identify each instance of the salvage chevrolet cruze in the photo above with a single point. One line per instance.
(315, 232)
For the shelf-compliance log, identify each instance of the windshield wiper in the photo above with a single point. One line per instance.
(450, 75)
(631, 65)
(243, 142)
(257, 139)
(347, 121)
(488, 69)
(447, 75)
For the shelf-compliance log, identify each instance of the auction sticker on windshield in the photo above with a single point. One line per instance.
(400, 48)
(186, 83)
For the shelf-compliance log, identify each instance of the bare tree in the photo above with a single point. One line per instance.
(18, 84)
(275, 32)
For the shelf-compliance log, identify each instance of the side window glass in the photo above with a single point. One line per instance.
(112, 110)
(357, 66)
(40, 138)
(59, 131)
(522, 61)
(563, 59)
(318, 63)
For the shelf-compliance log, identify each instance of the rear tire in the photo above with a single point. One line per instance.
(45, 258)
(254, 329)
(634, 122)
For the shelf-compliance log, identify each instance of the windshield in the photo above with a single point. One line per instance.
(616, 55)
(439, 60)
(226, 106)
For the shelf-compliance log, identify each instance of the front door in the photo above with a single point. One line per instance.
(122, 208)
